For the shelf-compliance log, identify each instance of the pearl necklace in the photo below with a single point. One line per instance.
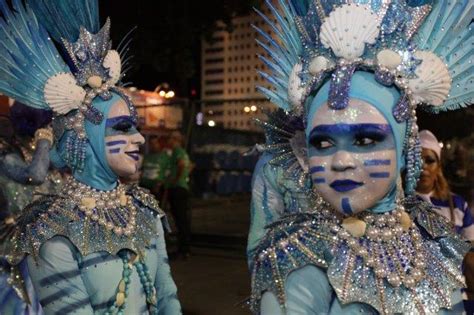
(380, 239)
(112, 209)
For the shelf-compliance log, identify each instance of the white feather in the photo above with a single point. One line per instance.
(113, 63)
(348, 28)
(433, 81)
(62, 93)
(295, 91)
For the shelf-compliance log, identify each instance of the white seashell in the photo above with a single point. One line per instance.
(433, 81)
(348, 28)
(389, 59)
(295, 91)
(62, 93)
(319, 64)
(94, 82)
(113, 63)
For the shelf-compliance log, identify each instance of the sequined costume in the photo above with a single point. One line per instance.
(349, 76)
(97, 246)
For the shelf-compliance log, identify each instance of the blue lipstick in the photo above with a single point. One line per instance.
(345, 185)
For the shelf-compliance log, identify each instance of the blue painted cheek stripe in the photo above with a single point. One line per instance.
(380, 175)
(346, 206)
(114, 150)
(319, 180)
(116, 142)
(377, 162)
(316, 169)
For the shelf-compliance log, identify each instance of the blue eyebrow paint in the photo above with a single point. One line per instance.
(344, 129)
(116, 142)
(380, 175)
(110, 122)
(346, 206)
(376, 162)
(316, 169)
(113, 151)
(319, 180)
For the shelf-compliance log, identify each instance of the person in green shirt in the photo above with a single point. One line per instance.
(156, 168)
(178, 183)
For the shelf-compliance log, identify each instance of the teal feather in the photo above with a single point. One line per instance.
(28, 58)
(64, 18)
(448, 33)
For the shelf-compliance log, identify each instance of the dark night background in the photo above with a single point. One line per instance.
(166, 41)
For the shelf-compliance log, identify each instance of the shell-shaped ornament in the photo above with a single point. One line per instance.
(62, 93)
(114, 64)
(348, 28)
(389, 59)
(433, 80)
(295, 91)
(318, 64)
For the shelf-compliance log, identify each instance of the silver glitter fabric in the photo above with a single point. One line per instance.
(315, 238)
(61, 215)
(88, 54)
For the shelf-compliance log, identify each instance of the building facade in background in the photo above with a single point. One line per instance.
(229, 75)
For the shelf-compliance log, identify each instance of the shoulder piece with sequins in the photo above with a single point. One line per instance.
(146, 199)
(60, 215)
(361, 269)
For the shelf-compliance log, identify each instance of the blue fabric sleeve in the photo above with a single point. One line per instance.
(265, 207)
(57, 279)
(13, 166)
(308, 291)
(166, 290)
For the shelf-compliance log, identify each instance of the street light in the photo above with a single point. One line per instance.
(253, 108)
(211, 123)
(246, 109)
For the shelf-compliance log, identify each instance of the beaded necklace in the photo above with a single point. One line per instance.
(129, 261)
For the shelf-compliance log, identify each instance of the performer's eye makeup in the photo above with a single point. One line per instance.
(124, 126)
(321, 142)
(120, 125)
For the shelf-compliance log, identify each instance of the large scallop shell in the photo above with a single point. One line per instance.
(295, 91)
(433, 81)
(113, 63)
(62, 93)
(348, 28)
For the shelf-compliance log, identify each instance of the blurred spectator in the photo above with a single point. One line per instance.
(434, 188)
(156, 168)
(179, 191)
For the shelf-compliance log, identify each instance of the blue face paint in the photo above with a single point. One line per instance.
(120, 125)
(316, 169)
(319, 180)
(345, 185)
(380, 175)
(114, 151)
(357, 138)
(346, 206)
(376, 162)
(116, 142)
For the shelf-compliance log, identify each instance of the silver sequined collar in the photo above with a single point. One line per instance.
(62, 215)
(303, 239)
